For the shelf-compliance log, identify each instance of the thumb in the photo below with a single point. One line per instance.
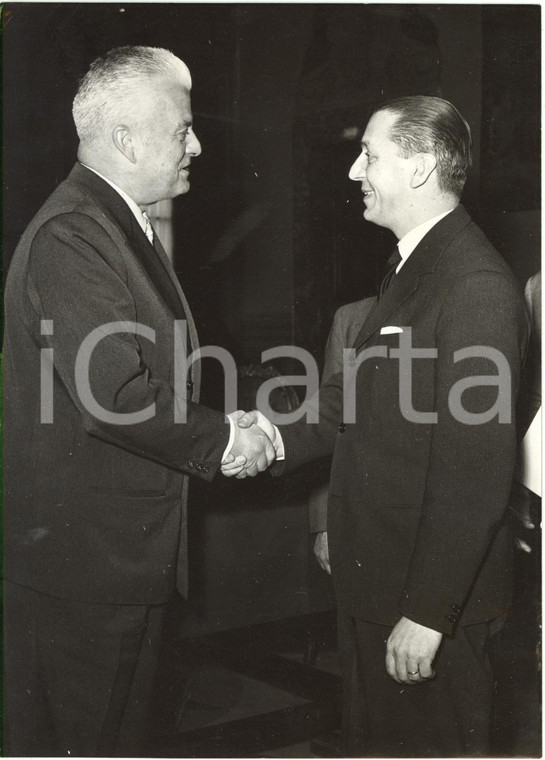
(247, 420)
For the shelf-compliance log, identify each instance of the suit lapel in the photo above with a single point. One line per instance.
(191, 327)
(158, 269)
(398, 292)
(422, 262)
(153, 260)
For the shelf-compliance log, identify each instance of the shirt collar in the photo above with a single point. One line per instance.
(408, 242)
(134, 207)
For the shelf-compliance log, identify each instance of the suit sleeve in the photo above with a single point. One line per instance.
(471, 459)
(73, 284)
(333, 359)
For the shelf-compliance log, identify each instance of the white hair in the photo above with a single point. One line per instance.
(111, 86)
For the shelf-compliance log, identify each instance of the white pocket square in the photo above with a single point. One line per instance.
(390, 330)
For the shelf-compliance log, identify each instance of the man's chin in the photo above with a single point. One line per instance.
(180, 188)
(183, 186)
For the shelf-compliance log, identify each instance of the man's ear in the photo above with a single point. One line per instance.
(121, 137)
(424, 166)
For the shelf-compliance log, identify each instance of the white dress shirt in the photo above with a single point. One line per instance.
(134, 207)
(408, 242)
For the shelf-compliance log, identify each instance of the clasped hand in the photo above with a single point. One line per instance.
(253, 449)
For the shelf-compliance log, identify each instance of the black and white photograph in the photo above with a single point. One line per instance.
(271, 380)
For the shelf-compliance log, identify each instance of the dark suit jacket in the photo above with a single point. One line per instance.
(415, 510)
(347, 323)
(95, 511)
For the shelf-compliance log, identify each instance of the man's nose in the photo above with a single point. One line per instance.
(193, 146)
(357, 170)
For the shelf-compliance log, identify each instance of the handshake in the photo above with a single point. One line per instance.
(256, 445)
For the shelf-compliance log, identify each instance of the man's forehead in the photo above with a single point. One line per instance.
(378, 128)
(174, 98)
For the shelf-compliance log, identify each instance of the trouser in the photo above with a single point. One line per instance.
(448, 716)
(77, 676)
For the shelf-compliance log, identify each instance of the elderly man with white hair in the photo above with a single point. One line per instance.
(100, 431)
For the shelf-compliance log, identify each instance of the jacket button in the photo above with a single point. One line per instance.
(189, 385)
(342, 427)
(455, 608)
(452, 618)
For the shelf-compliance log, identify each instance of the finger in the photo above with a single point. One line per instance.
(426, 670)
(247, 420)
(235, 416)
(413, 672)
(523, 546)
(233, 463)
(250, 471)
(391, 666)
(232, 473)
(321, 561)
(402, 668)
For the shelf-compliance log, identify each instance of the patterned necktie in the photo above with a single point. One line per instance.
(148, 229)
(393, 262)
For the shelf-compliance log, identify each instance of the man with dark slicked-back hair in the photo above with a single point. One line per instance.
(420, 555)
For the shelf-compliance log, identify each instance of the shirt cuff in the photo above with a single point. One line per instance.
(231, 439)
(278, 445)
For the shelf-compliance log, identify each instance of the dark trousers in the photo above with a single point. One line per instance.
(77, 677)
(448, 716)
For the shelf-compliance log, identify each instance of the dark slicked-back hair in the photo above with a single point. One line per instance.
(427, 124)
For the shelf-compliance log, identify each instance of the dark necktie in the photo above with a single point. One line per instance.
(393, 262)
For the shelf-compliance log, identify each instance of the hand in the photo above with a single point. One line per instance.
(257, 418)
(231, 462)
(251, 452)
(248, 420)
(520, 512)
(232, 465)
(410, 651)
(321, 551)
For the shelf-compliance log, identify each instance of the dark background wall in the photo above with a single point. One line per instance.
(271, 239)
